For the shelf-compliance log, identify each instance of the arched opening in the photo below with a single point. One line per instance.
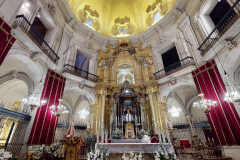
(12, 93)
(125, 73)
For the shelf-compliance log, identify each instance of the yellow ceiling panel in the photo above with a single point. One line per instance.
(118, 18)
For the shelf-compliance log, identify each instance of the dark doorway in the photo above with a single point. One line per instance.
(82, 64)
(38, 30)
(171, 60)
(219, 11)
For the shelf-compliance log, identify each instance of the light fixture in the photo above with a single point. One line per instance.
(59, 110)
(34, 100)
(204, 103)
(175, 112)
(84, 113)
(232, 95)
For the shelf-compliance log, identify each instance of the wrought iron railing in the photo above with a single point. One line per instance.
(79, 72)
(222, 26)
(15, 114)
(25, 25)
(185, 62)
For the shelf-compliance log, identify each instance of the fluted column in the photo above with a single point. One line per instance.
(154, 110)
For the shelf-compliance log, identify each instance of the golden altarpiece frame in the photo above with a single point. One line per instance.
(127, 93)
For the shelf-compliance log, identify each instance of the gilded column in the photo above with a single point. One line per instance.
(153, 109)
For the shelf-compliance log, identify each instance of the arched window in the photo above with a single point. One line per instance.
(125, 73)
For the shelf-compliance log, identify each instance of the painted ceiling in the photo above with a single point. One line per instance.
(119, 18)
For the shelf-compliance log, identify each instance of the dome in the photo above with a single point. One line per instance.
(120, 18)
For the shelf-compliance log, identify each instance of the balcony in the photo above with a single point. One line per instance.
(39, 43)
(221, 29)
(186, 65)
(22, 115)
(80, 74)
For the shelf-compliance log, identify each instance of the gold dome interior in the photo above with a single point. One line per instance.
(119, 18)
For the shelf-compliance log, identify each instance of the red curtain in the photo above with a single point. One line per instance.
(223, 117)
(6, 40)
(45, 122)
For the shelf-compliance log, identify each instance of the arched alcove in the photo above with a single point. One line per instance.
(125, 73)
(12, 93)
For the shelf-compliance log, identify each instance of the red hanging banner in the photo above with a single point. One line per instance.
(222, 117)
(6, 40)
(45, 122)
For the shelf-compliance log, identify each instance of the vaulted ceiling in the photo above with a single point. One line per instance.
(117, 18)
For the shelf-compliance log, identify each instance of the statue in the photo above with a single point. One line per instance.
(128, 116)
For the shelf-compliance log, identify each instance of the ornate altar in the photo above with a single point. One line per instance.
(126, 93)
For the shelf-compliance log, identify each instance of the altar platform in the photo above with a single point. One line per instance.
(135, 147)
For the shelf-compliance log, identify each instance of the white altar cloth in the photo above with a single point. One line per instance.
(134, 147)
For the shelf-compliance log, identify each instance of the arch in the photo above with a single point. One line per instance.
(20, 76)
(128, 60)
(190, 102)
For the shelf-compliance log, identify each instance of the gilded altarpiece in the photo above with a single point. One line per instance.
(127, 93)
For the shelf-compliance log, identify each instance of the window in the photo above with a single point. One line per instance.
(219, 11)
(157, 17)
(89, 22)
(82, 64)
(38, 30)
(171, 60)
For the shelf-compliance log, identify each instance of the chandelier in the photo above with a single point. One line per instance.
(60, 109)
(175, 112)
(34, 100)
(203, 103)
(232, 95)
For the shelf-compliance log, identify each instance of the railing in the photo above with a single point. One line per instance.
(25, 25)
(81, 73)
(187, 61)
(15, 114)
(223, 25)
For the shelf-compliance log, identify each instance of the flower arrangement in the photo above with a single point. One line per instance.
(99, 154)
(142, 132)
(5, 155)
(117, 134)
(132, 156)
(55, 151)
(164, 153)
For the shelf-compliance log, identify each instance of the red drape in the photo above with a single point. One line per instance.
(6, 40)
(45, 122)
(223, 117)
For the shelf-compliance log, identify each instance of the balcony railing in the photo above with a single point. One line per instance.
(25, 25)
(19, 115)
(223, 25)
(79, 72)
(187, 61)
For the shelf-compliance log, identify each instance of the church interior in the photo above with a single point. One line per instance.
(120, 79)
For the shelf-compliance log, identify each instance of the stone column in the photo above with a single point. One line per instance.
(102, 116)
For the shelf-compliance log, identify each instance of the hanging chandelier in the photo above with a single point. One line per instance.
(60, 109)
(232, 95)
(34, 100)
(204, 103)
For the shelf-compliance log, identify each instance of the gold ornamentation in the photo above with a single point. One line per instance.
(111, 11)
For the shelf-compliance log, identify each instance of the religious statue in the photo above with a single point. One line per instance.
(128, 116)
(129, 125)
